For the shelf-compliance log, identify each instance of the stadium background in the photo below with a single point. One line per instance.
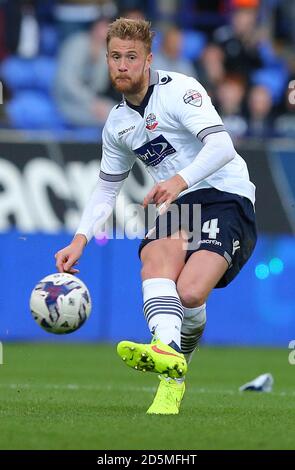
(48, 166)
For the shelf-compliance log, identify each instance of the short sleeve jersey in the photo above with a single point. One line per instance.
(166, 133)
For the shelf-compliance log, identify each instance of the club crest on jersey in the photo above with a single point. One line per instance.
(193, 97)
(152, 153)
(151, 122)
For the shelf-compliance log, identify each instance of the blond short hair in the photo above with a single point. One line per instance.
(124, 28)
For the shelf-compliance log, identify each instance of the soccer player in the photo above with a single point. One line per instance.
(162, 120)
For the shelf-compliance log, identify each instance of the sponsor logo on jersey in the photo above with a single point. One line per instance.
(124, 131)
(193, 97)
(151, 122)
(152, 153)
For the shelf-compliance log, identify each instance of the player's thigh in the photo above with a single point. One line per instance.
(199, 276)
(164, 257)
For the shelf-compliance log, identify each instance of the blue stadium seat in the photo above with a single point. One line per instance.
(34, 110)
(193, 44)
(21, 74)
(17, 73)
(157, 41)
(273, 78)
(30, 109)
(44, 70)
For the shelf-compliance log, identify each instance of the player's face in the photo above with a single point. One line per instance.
(129, 64)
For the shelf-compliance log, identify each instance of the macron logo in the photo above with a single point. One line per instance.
(124, 131)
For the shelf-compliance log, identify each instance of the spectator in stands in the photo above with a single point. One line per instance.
(284, 20)
(19, 28)
(134, 13)
(240, 42)
(210, 68)
(82, 81)
(73, 16)
(169, 57)
(230, 96)
(202, 15)
(134, 9)
(284, 125)
(19, 38)
(260, 120)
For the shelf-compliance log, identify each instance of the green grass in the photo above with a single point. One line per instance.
(84, 397)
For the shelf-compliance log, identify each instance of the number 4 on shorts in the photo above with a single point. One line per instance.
(211, 227)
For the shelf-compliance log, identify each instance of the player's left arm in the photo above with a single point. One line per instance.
(163, 193)
(218, 150)
(197, 114)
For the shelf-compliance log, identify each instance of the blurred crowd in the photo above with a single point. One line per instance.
(54, 73)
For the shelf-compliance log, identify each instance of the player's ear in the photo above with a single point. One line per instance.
(149, 59)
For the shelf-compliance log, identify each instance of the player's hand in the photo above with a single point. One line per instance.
(165, 192)
(68, 257)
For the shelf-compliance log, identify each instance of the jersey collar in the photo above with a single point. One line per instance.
(154, 80)
(154, 77)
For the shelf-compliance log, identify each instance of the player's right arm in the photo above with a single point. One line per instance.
(68, 257)
(96, 212)
(115, 167)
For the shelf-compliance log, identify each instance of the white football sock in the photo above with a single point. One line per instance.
(162, 309)
(192, 328)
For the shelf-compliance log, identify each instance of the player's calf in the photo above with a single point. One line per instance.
(192, 328)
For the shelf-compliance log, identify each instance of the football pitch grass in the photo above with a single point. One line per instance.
(58, 396)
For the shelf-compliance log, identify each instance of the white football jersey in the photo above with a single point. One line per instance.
(165, 132)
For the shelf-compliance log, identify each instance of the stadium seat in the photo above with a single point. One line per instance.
(157, 42)
(33, 110)
(273, 78)
(193, 44)
(22, 74)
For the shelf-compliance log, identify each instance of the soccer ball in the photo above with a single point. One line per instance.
(60, 303)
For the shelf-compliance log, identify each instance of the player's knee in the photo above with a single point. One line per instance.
(151, 267)
(162, 260)
(191, 296)
(153, 262)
